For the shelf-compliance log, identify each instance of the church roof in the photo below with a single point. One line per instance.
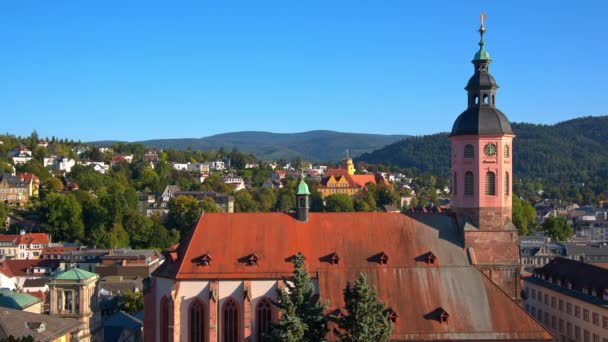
(481, 120)
(393, 249)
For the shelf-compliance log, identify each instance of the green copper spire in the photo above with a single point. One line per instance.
(303, 187)
(482, 54)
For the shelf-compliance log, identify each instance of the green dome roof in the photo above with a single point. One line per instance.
(303, 188)
(75, 274)
(482, 55)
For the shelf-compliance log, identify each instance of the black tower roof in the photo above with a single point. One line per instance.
(481, 117)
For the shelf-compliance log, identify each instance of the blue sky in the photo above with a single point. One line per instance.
(135, 70)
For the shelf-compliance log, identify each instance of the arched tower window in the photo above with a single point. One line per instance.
(468, 151)
(506, 151)
(507, 187)
(230, 321)
(197, 321)
(166, 320)
(490, 183)
(263, 320)
(468, 183)
(455, 184)
(485, 99)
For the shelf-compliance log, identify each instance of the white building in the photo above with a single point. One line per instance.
(569, 298)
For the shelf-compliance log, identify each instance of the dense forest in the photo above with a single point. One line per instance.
(568, 160)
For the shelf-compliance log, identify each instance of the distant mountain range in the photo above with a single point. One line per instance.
(313, 145)
(570, 151)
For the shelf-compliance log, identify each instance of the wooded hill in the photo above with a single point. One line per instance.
(312, 145)
(568, 159)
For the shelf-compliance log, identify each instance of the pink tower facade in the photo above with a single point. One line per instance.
(482, 165)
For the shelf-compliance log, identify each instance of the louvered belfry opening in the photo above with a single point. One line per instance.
(490, 183)
(468, 183)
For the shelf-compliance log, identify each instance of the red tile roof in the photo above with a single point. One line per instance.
(58, 250)
(407, 283)
(5, 269)
(354, 181)
(28, 238)
(19, 268)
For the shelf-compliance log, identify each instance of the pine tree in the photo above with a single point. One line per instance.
(302, 314)
(365, 318)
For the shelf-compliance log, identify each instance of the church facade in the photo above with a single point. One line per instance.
(444, 276)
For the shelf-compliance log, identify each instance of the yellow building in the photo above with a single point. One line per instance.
(345, 181)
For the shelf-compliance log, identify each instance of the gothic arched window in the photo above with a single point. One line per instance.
(490, 183)
(197, 321)
(230, 321)
(455, 184)
(166, 320)
(507, 187)
(506, 152)
(468, 151)
(263, 319)
(468, 183)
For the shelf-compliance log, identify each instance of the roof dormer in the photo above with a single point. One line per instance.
(383, 258)
(334, 259)
(205, 259)
(253, 259)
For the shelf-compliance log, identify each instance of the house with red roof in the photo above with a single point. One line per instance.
(24, 245)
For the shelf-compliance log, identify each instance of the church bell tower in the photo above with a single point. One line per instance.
(482, 159)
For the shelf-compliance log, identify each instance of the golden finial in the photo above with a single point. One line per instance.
(482, 16)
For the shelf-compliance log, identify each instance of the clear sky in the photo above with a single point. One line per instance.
(134, 70)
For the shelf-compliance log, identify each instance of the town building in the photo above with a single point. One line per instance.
(31, 181)
(570, 298)
(537, 251)
(345, 181)
(236, 182)
(13, 190)
(443, 276)
(23, 245)
(123, 327)
(74, 294)
(20, 301)
(23, 324)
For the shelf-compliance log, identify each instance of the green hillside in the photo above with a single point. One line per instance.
(568, 159)
(313, 145)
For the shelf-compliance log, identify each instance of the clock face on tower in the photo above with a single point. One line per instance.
(490, 149)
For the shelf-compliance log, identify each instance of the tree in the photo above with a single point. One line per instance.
(63, 217)
(184, 212)
(339, 203)
(243, 202)
(118, 236)
(302, 315)
(54, 184)
(524, 215)
(3, 214)
(366, 318)
(557, 228)
(209, 205)
(131, 301)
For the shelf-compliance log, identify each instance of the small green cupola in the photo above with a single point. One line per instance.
(482, 54)
(302, 201)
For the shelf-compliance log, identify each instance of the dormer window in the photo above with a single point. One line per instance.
(444, 316)
(334, 259)
(431, 259)
(383, 259)
(392, 315)
(585, 290)
(205, 259)
(569, 285)
(253, 259)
